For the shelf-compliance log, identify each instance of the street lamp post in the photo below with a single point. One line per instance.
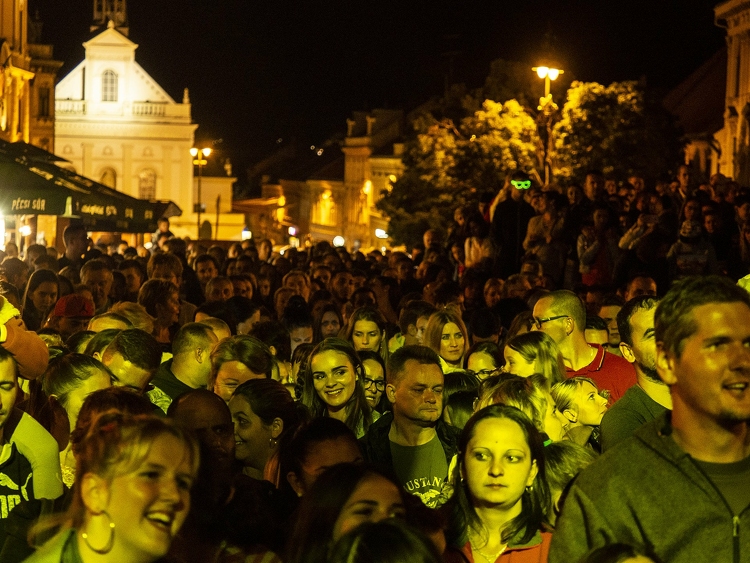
(199, 158)
(547, 109)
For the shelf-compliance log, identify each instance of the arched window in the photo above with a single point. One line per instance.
(147, 184)
(109, 178)
(109, 86)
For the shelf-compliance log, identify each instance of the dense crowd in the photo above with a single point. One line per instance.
(198, 403)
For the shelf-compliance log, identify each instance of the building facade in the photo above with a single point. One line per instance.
(118, 126)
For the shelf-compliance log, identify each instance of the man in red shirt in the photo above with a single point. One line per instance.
(562, 315)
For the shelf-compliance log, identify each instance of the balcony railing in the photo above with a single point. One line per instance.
(70, 107)
(149, 109)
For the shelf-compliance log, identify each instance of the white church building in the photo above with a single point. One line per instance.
(118, 126)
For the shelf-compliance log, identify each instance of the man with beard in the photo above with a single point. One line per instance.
(650, 396)
(680, 487)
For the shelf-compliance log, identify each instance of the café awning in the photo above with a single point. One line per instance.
(33, 184)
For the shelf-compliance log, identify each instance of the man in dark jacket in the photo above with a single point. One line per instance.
(510, 220)
(681, 486)
(414, 442)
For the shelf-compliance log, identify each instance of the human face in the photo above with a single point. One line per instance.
(98, 380)
(374, 382)
(165, 273)
(481, 364)
(212, 424)
(641, 286)
(220, 291)
(333, 378)
(8, 391)
(206, 271)
(133, 279)
(516, 364)
(710, 381)
(320, 457)
(252, 437)
(148, 505)
(323, 275)
(68, 326)
(452, 343)
(342, 286)
(44, 296)
(609, 314)
(243, 288)
(246, 326)
(100, 283)
(366, 336)
(264, 286)
(168, 313)
(421, 326)
(643, 351)
(554, 328)
(299, 285)
(497, 465)
(230, 376)
(300, 335)
(375, 498)
(126, 374)
(492, 296)
(329, 324)
(417, 394)
(555, 424)
(591, 405)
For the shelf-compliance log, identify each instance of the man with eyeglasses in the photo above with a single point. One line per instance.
(562, 315)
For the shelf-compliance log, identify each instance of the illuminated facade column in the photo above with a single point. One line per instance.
(26, 111)
(164, 191)
(127, 170)
(13, 110)
(88, 157)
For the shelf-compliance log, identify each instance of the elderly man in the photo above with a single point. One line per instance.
(681, 486)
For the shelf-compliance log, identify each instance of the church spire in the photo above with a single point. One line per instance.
(106, 11)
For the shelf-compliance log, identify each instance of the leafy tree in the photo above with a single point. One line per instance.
(617, 129)
(447, 166)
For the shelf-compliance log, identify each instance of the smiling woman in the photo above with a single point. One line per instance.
(133, 494)
(333, 385)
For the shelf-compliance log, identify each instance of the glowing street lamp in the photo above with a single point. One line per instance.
(199, 158)
(547, 74)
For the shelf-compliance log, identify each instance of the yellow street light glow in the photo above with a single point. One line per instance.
(338, 241)
(541, 71)
(25, 230)
(553, 73)
(380, 233)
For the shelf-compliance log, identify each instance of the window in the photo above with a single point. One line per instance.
(324, 210)
(43, 102)
(109, 86)
(147, 184)
(109, 178)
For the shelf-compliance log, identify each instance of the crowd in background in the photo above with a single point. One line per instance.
(198, 402)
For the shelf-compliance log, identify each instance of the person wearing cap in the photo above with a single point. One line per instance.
(71, 315)
(28, 350)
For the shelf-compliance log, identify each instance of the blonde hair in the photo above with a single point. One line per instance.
(136, 314)
(564, 393)
(527, 394)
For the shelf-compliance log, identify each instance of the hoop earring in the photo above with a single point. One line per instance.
(110, 542)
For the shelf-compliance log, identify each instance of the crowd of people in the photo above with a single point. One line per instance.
(555, 377)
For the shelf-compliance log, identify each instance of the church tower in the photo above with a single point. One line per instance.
(110, 10)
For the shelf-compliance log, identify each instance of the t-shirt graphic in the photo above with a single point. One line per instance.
(421, 470)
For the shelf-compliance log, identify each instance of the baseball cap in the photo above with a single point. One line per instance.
(74, 305)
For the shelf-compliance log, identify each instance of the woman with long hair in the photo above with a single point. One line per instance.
(446, 334)
(133, 492)
(344, 497)
(334, 385)
(534, 352)
(40, 297)
(161, 299)
(327, 323)
(500, 490)
(263, 412)
(365, 330)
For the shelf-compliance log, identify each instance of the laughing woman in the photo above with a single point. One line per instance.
(132, 495)
(334, 385)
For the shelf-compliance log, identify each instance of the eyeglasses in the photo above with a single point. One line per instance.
(378, 383)
(539, 322)
(483, 373)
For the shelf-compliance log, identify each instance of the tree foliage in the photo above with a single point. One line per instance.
(617, 129)
(447, 165)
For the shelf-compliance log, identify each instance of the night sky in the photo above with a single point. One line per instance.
(263, 70)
